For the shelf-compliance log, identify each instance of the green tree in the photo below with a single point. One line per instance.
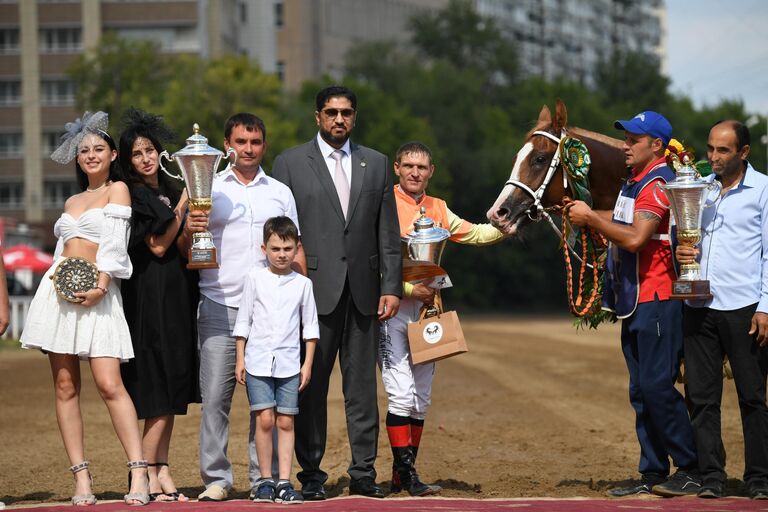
(120, 73)
(469, 41)
(633, 81)
(183, 89)
(207, 92)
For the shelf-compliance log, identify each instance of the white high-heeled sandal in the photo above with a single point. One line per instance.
(83, 499)
(141, 497)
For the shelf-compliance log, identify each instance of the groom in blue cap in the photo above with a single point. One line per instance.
(637, 287)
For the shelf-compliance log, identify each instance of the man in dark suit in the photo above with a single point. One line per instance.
(350, 235)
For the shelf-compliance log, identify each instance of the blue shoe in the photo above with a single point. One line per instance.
(287, 495)
(265, 492)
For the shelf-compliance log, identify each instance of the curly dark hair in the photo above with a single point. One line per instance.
(142, 124)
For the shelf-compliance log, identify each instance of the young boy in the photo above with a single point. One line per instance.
(276, 301)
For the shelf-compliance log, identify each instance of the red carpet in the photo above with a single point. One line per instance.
(448, 505)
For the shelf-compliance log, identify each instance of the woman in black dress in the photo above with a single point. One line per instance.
(159, 299)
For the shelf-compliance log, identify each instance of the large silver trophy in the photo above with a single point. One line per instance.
(687, 195)
(198, 163)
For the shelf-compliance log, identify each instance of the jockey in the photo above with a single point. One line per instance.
(637, 287)
(409, 386)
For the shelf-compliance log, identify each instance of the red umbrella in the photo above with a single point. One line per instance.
(25, 257)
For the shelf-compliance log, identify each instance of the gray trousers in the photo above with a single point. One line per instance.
(215, 323)
(351, 336)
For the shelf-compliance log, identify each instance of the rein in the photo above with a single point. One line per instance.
(592, 242)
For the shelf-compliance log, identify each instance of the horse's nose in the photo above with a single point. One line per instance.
(498, 214)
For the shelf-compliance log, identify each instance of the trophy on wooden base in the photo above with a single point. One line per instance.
(687, 195)
(198, 163)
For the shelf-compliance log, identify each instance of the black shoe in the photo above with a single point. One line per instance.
(682, 483)
(759, 491)
(365, 486)
(632, 490)
(711, 490)
(313, 491)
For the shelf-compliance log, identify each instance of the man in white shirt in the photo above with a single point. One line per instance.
(244, 197)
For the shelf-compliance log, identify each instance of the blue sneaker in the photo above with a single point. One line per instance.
(265, 492)
(287, 495)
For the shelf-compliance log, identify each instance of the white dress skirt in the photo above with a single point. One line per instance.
(61, 327)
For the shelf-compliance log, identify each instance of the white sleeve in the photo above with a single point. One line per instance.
(59, 248)
(310, 326)
(243, 322)
(112, 255)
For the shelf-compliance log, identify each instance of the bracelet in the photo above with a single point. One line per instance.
(103, 290)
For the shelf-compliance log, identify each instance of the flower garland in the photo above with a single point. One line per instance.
(677, 153)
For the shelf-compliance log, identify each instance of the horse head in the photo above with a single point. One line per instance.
(537, 180)
(525, 194)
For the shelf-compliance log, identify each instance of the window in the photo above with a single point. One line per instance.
(243, 13)
(280, 70)
(50, 141)
(57, 92)
(10, 92)
(60, 40)
(11, 145)
(11, 195)
(279, 19)
(9, 40)
(55, 193)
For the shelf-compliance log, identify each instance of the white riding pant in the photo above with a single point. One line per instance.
(408, 386)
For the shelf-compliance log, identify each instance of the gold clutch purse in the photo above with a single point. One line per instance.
(74, 275)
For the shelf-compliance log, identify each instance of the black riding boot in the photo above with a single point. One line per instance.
(406, 476)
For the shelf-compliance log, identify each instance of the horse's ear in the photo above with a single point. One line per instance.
(545, 116)
(561, 116)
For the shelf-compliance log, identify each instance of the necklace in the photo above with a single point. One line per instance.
(97, 188)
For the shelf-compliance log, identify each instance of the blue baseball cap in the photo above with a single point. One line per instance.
(648, 123)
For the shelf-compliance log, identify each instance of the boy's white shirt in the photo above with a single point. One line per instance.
(271, 310)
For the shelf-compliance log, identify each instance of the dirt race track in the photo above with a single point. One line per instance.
(535, 409)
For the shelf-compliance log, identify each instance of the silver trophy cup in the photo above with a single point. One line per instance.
(687, 195)
(198, 163)
(421, 250)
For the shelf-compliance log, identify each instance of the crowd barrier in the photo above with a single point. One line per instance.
(19, 308)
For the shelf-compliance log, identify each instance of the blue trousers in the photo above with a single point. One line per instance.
(652, 342)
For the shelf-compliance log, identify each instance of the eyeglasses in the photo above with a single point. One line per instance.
(332, 113)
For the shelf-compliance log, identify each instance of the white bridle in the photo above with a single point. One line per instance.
(536, 210)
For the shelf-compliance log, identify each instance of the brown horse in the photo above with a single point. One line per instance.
(537, 181)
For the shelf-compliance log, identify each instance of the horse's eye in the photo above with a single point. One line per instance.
(540, 159)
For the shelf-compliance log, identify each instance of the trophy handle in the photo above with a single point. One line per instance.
(714, 185)
(231, 151)
(160, 162)
(656, 197)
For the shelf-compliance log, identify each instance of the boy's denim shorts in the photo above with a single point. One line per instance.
(269, 392)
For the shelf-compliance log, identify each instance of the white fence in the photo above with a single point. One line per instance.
(19, 308)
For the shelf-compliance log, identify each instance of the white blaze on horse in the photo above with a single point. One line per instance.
(538, 181)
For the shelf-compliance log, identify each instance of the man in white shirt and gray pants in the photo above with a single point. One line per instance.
(244, 197)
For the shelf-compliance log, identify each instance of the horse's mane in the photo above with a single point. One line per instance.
(599, 137)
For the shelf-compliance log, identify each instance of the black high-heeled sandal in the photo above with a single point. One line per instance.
(175, 495)
(83, 499)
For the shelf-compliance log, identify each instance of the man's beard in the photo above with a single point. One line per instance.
(330, 138)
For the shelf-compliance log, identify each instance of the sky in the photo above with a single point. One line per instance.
(718, 49)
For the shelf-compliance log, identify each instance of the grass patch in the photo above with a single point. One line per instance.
(9, 344)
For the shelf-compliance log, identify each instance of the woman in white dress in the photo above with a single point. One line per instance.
(94, 226)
